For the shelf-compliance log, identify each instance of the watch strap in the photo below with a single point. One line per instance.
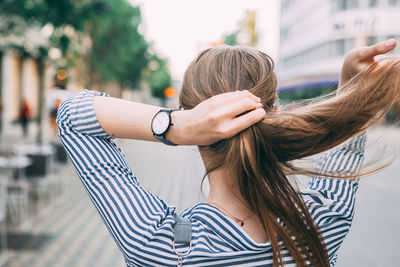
(161, 137)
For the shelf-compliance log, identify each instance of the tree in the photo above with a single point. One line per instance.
(231, 39)
(119, 51)
(246, 33)
(159, 77)
(63, 16)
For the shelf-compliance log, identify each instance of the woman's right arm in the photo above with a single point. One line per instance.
(132, 214)
(219, 117)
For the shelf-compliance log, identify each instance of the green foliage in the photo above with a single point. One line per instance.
(118, 49)
(246, 31)
(66, 18)
(118, 52)
(59, 13)
(159, 77)
(231, 39)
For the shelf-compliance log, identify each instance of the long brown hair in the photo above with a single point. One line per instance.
(260, 156)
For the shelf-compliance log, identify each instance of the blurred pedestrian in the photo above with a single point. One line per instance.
(53, 114)
(54, 97)
(253, 215)
(25, 116)
(1, 115)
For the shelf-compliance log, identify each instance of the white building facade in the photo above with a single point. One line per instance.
(315, 35)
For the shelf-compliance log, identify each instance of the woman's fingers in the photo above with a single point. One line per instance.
(239, 107)
(246, 120)
(230, 105)
(246, 94)
(222, 116)
(235, 96)
(368, 53)
(361, 58)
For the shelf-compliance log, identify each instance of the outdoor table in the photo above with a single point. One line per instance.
(16, 164)
(17, 189)
(39, 173)
(41, 156)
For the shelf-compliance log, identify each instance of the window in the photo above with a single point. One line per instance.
(284, 33)
(342, 5)
(332, 49)
(373, 3)
(372, 40)
(392, 36)
(343, 46)
(287, 4)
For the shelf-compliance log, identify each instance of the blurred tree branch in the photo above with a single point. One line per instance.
(101, 38)
(158, 76)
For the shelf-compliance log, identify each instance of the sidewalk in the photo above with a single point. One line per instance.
(71, 234)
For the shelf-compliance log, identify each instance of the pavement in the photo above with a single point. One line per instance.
(72, 234)
(69, 231)
(374, 238)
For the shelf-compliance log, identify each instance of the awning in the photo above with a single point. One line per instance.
(309, 84)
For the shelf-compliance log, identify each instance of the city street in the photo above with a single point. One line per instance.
(72, 234)
(178, 53)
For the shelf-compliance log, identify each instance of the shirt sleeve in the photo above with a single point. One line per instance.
(132, 214)
(331, 201)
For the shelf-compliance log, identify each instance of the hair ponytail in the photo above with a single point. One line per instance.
(259, 157)
(317, 127)
(270, 196)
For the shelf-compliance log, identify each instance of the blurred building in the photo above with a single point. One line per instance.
(315, 35)
(19, 74)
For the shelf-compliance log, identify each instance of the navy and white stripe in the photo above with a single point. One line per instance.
(141, 223)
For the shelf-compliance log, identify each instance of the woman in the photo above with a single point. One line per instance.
(253, 216)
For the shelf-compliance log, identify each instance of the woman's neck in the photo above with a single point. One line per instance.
(225, 195)
(225, 192)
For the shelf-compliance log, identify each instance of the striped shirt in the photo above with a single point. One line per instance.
(142, 224)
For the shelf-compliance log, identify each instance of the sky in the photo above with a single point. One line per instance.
(180, 29)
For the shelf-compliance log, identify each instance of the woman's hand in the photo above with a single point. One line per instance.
(361, 58)
(219, 117)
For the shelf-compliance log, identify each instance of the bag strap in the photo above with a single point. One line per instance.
(182, 230)
(182, 234)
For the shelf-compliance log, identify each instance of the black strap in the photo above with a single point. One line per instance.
(182, 234)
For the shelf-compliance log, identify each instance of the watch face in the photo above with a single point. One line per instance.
(160, 123)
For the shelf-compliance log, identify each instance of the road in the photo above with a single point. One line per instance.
(374, 239)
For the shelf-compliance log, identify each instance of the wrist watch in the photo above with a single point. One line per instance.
(161, 123)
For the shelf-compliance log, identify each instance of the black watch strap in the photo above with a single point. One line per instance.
(161, 137)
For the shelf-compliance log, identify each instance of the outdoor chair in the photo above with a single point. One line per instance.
(3, 223)
(39, 174)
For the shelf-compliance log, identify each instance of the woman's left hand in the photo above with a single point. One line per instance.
(219, 117)
(361, 58)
